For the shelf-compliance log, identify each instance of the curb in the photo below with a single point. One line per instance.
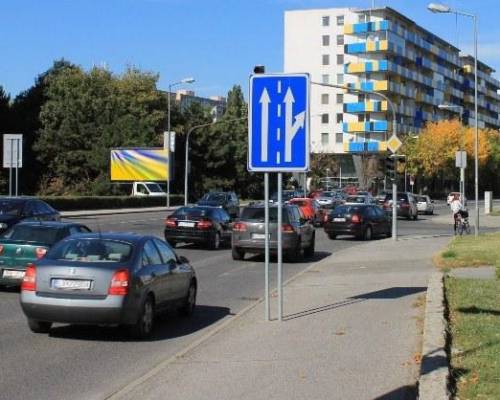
(435, 371)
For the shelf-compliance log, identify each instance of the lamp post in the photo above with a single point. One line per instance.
(442, 8)
(462, 168)
(170, 86)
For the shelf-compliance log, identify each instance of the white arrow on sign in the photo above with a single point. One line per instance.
(291, 129)
(264, 100)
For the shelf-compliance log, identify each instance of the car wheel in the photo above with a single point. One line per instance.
(415, 217)
(237, 254)
(144, 325)
(309, 250)
(332, 236)
(367, 235)
(190, 301)
(39, 326)
(215, 243)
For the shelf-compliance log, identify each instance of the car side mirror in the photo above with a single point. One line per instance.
(182, 260)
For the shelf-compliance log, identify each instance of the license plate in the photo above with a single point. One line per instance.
(339, 220)
(71, 284)
(186, 224)
(13, 274)
(259, 236)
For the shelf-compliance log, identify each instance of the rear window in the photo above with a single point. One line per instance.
(192, 213)
(422, 199)
(401, 197)
(355, 199)
(27, 233)
(215, 197)
(91, 250)
(347, 209)
(11, 207)
(257, 214)
(300, 203)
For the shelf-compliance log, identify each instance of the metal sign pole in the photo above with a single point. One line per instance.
(168, 166)
(17, 165)
(280, 248)
(10, 166)
(266, 253)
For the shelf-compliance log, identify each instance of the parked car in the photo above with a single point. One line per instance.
(359, 199)
(331, 199)
(425, 205)
(27, 242)
(452, 195)
(363, 221)
(107, 279)
(249, 232)
(310, 208)
(286, 195)
(209, 226)
(227, 200)
(16, 209)
(406, 206)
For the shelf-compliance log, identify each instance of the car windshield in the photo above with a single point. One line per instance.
(154, 188)
(214, 197)
(422, 199)
(257, 214)
(327, 194)
(91, 250)
(11, 207)
(192, 213)
(355, 199)
(32, 233)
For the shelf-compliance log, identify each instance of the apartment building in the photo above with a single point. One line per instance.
(184, 98)
(383, 51)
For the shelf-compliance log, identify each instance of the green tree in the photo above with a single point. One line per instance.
(88, 113)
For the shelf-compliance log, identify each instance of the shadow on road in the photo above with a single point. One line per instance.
(402, 393)
(318, 256)
(167, 326)
(389, 293)
(10, 289)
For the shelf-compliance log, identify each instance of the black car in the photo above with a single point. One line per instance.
(209, 226)
(227, 200)
(362, 221)
(16, 209)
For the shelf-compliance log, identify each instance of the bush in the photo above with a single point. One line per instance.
(74, 203)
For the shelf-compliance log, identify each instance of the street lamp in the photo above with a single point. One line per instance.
(462, 167)
(441, 8)
(170, 86)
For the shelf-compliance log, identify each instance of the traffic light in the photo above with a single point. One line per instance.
(390, 170)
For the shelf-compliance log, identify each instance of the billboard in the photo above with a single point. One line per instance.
(139, 164)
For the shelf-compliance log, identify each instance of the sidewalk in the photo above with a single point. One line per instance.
(352, 330)
(485, 221)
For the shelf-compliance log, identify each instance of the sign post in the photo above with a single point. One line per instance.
(461, 162)
(13, 158)
(278, 141)
(393, 144)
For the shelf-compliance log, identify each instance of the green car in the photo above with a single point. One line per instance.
(27, 242)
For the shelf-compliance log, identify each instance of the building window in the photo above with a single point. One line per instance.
(325, 78)
(340, 59)
(362, 18)
(324, 138)
(325, 98)
(361, 98)
(361, 117)
(340, 118)
(340, 40)
(340, 79)
(324, 118)
(326, 59)
(340, 20)
(340, 98)
(325, 21)
(326, 40)
(339, 137)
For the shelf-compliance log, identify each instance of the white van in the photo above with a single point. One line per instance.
(147, 189)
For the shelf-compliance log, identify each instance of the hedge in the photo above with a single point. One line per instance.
(76, 203)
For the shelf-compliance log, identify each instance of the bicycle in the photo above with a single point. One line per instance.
(462, 223)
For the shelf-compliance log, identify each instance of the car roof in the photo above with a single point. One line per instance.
(51, 224)
(120, 236)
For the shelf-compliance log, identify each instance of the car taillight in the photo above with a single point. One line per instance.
(356, 219)
(1, 249)
(171, 222)
(239, 227)
(40, 252)
(287, 228)
(29, 279)
(204, 224)
(119, 283)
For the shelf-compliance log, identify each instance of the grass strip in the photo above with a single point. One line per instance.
(474, 326)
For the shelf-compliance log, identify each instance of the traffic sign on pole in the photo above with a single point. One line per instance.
(278, 123)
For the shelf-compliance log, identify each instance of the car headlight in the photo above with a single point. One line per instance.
(3, 225)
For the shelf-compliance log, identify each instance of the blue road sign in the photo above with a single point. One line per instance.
(278, 123)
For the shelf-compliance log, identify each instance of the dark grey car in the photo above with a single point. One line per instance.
(109, 278)
(249, 232)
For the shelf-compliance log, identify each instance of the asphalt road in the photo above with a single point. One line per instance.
(76, 362)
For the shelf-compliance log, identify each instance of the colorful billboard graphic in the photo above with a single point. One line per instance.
(139, 164)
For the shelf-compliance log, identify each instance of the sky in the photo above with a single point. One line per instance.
(217, 42)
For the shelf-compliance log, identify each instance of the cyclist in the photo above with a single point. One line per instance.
(456, 208)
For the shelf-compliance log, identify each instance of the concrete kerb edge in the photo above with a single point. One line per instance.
(198, 342)
(435, 369)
